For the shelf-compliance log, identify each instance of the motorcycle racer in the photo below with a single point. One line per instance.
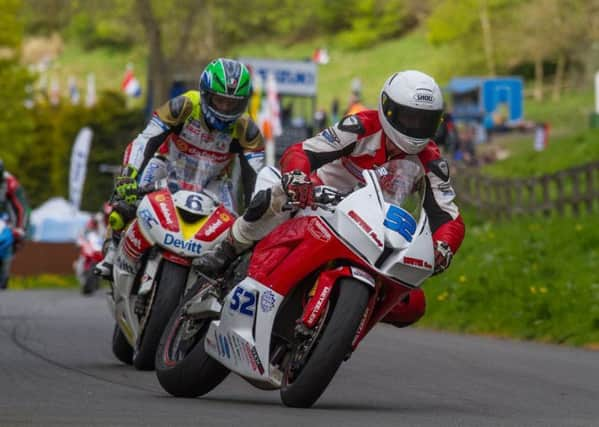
(408, 114)
(13, 205)
(199, 133)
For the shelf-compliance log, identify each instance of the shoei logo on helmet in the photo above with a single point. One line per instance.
(424, 95)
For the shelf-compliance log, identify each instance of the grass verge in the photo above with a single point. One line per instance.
(43, 281)
(530, 279)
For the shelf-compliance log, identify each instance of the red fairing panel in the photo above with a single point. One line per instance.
(294, 250)
(165, 210)
(135, 243)
(177, 259)
(220, 220)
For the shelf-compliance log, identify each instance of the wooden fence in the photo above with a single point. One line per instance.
(574, 190)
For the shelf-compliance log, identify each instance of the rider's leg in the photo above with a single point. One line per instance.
(263, 215)
(408, 310)
(128, 254)
(104, 268)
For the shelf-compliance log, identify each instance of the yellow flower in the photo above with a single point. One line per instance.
(579, 227)
(533, 290)
(462, 278)
(442, 297)
(543, 290)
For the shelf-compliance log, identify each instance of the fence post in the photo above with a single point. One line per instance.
(559, 182)
(574, 174)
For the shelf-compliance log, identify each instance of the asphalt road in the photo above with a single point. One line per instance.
(57, 368)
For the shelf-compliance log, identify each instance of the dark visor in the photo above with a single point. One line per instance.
(412, 122)
(227, 105)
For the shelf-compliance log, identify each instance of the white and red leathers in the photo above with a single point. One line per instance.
(178, 142)
(336, 157)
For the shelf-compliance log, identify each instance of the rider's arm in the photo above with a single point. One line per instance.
(166, 117)
(16, 197)
(331, 144)
(248, 143)
(444, 215)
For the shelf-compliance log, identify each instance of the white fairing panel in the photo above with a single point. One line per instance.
(413, 260)
(240, 340)
(359, 220)
(176, 242)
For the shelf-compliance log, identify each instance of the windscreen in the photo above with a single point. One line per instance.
(186, 172)
(402, 182)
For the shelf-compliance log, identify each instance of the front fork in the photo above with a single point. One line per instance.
(321, 292)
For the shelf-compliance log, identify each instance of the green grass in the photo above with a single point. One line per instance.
(43, 281)
(530, 279)
(563, 152)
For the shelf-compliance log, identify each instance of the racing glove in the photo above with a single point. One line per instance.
(126, 187)
(443, 255)
(298, 187)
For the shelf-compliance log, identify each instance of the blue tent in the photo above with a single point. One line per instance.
(485, 99)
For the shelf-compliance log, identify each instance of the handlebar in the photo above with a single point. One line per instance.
(324, 197)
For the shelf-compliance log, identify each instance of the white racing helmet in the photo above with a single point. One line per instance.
(410, 109)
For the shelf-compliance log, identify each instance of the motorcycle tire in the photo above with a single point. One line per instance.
(121, 347)
(331, 347)
(196, 373)
(92, 283)
(169, 290)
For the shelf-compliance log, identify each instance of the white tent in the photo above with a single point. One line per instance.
(56, 220)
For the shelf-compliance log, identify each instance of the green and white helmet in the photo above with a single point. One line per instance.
(226, 87)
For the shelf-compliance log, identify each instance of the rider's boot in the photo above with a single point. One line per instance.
(216, 261)
(104, 268)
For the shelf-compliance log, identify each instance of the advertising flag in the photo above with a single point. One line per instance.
(78, 169)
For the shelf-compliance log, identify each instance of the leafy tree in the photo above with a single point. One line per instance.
(15, 123)
(470, 26)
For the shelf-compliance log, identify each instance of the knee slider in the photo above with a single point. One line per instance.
(258, 206)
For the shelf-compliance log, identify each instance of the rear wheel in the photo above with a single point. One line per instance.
(169, 290)
(316, 358)
(121, 347)
(183, 367)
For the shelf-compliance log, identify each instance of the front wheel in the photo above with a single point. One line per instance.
(183, 367)
(313, 366)
(121, 347)
(169, 290)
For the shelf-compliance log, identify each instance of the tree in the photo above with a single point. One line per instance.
(162, 21)
(470, 26)
(15, 122)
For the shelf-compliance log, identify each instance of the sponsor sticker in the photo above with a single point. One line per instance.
(189, 245)
(267, 301)
(166, 212)
(147, 218)
(319, 231)
(213, 227)
(330, 135)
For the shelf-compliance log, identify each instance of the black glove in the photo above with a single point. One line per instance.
(443, 255)
(299, 189)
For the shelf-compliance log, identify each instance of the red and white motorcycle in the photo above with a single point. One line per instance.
(90, 253)
(173, 226)
(314, 288)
